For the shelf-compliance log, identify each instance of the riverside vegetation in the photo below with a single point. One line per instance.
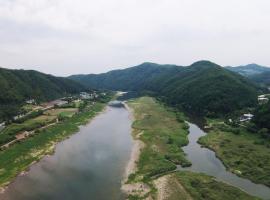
(19, 156)
(244, 153)
(164, 132)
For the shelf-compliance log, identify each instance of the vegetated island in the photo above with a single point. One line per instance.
(163, 131)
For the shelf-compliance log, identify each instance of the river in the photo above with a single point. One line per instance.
(88, 165)
(204, 160)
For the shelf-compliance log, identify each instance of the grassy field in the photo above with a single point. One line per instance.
(199, 186)
(243, 153)
(18, 157)
(163, 135)
(67, 112)
(9, 133)
(164, 132)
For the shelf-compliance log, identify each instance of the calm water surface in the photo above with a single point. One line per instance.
(204, 160)
(89, 165)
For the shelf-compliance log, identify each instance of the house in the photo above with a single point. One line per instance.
(263, 100)
(30, 101)
(246, 117)
(85, 95)
(60, 102)
(2, 126)
(51, 104)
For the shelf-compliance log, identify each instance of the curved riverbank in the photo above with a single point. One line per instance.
(204, 160)
(90, 163)
(18, 159)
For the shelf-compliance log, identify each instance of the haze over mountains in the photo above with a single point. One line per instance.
(203, 87)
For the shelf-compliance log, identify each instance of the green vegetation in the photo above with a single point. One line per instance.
(164, 132)
(262, 119)
(163, 136)
(202, 88)
(244, 153)
(18, 157)
(201, 186)
(16, 86)
(249, 70)
(9, 133)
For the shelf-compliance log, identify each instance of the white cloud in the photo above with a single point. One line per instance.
(85, 36)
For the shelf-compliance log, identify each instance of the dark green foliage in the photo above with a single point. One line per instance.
(204, 87)
(262, 116)
(263, 78)
(249, 70)
(16, 86)
(29, 116)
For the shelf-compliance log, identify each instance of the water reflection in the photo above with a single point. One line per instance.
(89, 165)
(204, 160)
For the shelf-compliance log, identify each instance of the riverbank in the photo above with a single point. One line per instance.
(243, 153)
(163, 133)
(18, 158)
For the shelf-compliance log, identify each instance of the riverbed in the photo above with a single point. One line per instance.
(204, 160)
(88, 165)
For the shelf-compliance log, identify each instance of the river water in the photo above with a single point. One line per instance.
(88, 165)
(204, 160)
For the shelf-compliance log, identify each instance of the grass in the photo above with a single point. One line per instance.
(18, 157)
(203, 187)
(163, 136)
(164, 132)
(9, 133)
(66, 112)
(243, 153)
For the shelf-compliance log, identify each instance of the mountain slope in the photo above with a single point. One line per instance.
(16, 86)
(203, 87)
(132, 78)
(249, 70)
(262, 78)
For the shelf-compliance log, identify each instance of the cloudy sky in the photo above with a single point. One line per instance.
(65, 37)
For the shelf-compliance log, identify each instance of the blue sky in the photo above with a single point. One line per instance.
(65, 37)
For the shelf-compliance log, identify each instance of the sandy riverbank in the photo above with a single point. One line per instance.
(134, 188)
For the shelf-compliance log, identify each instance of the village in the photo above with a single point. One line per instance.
(39, 116)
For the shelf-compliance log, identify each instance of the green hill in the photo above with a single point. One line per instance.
(203, 87)
(262, 78)
(249, 70)
(16, 86)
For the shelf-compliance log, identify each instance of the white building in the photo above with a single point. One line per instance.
(246, 117)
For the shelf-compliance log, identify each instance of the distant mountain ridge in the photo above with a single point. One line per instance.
(257, 73)
(16, 86)
(249, 70)
(203, 87)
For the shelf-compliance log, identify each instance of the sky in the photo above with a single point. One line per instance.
(64, 37)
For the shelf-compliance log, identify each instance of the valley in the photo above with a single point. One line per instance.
(173, 110)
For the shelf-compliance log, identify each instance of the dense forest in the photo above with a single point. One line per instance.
(262, 78)
(256, 73)
(262, 118)
(16, 86)
(204, 87)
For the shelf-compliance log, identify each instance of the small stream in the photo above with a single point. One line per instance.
(205, 161)
(88, 165)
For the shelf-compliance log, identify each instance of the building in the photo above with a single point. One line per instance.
(30, 101)
(246, 117)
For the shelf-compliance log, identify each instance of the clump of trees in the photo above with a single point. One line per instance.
(262, 120)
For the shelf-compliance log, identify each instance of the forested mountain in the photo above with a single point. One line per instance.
(262, 78)
(16, 86)
(257, 73)
(132, 78)
(203, 87)
(249, 70)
